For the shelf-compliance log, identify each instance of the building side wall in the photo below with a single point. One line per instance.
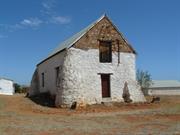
(164, 91)
(6, 87)
(49, 69)
(82, 82)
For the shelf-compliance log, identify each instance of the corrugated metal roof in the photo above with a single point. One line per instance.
(165, 83)
(70, 41)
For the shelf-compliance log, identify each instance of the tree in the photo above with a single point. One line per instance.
(17, 88)
(144, 79)
(20, 89)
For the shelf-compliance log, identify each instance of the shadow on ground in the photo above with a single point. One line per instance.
(43, 99)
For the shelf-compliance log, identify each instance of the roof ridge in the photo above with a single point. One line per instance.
(81, 32)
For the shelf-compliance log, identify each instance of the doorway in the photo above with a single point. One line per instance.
(105, 82)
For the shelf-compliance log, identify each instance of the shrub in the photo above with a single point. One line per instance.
(20, 89)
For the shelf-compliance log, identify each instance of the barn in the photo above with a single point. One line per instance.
(6, 86)
(90, 67)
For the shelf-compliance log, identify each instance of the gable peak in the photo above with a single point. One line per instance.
(102, 17)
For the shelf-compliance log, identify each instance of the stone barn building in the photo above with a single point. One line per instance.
(90, 67)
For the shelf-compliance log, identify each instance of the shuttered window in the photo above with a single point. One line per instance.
(105, 52)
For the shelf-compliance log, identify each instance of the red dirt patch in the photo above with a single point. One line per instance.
(20, 104)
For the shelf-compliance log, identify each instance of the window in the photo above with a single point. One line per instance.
(105, 53)
(42, 75)
(57, 76)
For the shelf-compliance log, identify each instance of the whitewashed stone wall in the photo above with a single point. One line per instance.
(49, 69)
(34, 89)
(81, 82)
(6, 87)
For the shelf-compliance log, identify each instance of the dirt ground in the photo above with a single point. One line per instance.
(22, 116)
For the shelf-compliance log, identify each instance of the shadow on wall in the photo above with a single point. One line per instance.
(44, 99)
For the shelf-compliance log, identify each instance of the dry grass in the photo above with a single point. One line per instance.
(21, 116)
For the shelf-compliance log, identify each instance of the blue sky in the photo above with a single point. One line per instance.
(31, 29)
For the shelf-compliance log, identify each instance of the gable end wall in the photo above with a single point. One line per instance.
(105, 31)
(82, 81)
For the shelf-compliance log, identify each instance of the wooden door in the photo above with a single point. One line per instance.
(105, 82)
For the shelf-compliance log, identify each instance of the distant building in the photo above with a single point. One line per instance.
(164, 87)
(6, 86)
(90, 67)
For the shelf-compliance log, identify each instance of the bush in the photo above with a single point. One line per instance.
(24, 89)
(20, 89)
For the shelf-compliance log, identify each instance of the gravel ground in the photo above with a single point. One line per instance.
(21, 116)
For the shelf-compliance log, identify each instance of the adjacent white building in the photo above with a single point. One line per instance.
(90, 67)
(164, 87)
(6, 87)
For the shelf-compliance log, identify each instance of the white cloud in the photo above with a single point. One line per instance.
(48, 10)
(32, 22)
(50, 16)
(48, 6)
(61, 20)
(25, 23)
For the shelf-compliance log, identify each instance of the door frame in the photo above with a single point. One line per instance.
(109, 84)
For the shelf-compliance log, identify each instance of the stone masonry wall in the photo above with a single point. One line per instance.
(105, 31)
(82, 83)
(34, 89)
(49, 69)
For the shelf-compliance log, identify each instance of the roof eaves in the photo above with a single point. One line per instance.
(2, 78)
(68, 45)
(50, 57)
